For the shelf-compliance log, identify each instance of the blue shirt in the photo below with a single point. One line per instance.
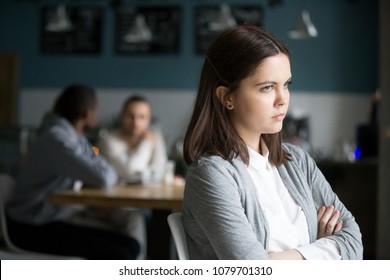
(57, 159)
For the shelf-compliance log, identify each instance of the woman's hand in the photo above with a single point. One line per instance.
(328, 221)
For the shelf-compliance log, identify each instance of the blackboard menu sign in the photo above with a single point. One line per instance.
(210, 21)
(148, 29)
(71, 30)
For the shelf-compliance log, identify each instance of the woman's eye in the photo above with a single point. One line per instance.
(266, 89)
(287, 84)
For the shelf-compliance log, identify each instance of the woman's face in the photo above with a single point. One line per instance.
(261, 101)
(135, 119)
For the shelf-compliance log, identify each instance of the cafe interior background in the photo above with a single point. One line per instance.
(156, 48)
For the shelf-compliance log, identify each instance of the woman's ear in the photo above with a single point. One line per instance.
(224, 97)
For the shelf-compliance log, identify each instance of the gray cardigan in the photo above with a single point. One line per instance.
(223, 218)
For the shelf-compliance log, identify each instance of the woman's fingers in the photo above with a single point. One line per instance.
(339, 226)
(324, 220)
(320, 213)
(328, 221)
(331, 226)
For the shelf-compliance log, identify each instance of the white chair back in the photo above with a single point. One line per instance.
(7, 184)
(179, 235)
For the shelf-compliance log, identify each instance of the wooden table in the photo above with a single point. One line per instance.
(162, 200)
(141, 196)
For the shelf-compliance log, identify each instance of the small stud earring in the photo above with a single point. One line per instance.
(229, 106)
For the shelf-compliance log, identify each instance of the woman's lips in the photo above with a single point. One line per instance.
(278, 117)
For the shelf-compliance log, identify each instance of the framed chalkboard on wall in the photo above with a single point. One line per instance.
(212, 20)
(148, 29)
(71, 30)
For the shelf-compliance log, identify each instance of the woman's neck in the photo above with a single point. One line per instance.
(253, 142)
(257, 144)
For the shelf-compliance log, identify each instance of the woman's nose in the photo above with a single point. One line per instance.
(281, 97)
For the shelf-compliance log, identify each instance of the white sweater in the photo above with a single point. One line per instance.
(146, 161)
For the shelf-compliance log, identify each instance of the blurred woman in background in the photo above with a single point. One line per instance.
(137, 152)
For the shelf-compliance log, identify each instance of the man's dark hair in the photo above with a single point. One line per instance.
(74, 102)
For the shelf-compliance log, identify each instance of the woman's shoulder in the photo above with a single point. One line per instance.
(296, 152)
(213, 161)
(211, 165)
(293, 149)
(212, 172)
(299, 157)
(159, 135)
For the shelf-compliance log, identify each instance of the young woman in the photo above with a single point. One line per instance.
(136, 151)
(247, 195)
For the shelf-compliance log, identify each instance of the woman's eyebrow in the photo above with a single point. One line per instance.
(266, 82)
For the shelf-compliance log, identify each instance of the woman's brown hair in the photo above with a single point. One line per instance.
(133, 99)
(232, 57)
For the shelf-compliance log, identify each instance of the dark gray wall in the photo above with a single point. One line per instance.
(342, 59)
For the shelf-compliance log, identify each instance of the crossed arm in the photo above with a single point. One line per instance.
(223, 228)
(328, 224)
